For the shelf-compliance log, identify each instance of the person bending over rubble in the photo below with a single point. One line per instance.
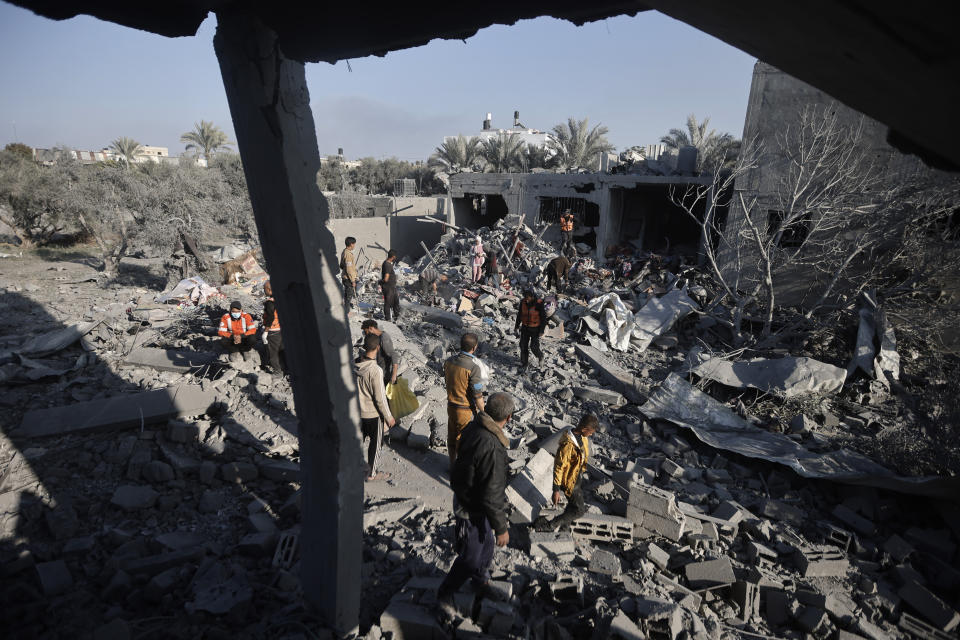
(428, 280)
(348, 271)
(375, 416)
(463, 375)
(271, 329)
(492, 269)
(387, 356)
(479, 482)
(558, 269)
(531, 321)
(568, 467)
(388, 285)
(237, 330)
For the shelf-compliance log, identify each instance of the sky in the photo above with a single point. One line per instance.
(84, 82)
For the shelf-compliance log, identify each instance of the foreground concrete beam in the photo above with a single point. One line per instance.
(270, 106)
(118, 412)
(179, 360)
(621, 379)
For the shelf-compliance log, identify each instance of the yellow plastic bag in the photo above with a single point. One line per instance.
(401, 399)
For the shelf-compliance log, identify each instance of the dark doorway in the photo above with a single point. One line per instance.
(646, 215)
(479, 210)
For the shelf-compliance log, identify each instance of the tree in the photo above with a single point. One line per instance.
(206, 138)
(535, 157)
(834, 217)
(20, 149)
(456, 154)
(502, 153)
(714, 151)
(576, 146)
(126, 148)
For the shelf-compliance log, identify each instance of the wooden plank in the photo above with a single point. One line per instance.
(118, 412)
(273, 122)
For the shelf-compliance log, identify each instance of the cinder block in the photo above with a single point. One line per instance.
(671, 468)
(821, 561)
(935, 610)
(624, 628)
(604, 528)
(670, 528)
(710, 574)
(919, 628)
(845, 514)
(658, 556)
(835, 535)
(652, 500)
(410, 622)
(662, 617)
(552, 544)
(747, 596)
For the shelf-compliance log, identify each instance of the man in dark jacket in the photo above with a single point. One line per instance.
(558, 269)
(479, 482)
(388, 285)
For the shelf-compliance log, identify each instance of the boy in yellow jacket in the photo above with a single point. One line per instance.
(568, 467)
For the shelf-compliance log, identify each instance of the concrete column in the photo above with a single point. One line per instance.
(271, 113)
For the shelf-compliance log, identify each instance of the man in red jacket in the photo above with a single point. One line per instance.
(237, 330)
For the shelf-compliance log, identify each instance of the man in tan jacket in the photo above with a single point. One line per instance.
(348, 271)
(375, 416)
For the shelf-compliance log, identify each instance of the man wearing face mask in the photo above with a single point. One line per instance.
(237, 330)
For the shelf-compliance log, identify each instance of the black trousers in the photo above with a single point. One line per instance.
(566, 239)
(474, 544)
(391, 302)
(274, 347)
(576, 507)
(370, 428)
(246, 343)
(529, 341)
(349, 292)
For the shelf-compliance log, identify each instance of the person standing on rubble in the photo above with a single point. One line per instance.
(237, 330)
(479, 257)
(375, 416)
(388, 285)
(557, 270)
(531, 322)
(348, 271)
(492, 269)
(568, 467)
(463, 376)
(479, 482)
(271, 329)
(387, 356)
(566, 231)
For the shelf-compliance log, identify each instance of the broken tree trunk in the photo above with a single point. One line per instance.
(273, 122)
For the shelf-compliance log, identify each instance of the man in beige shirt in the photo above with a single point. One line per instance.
(375, 416)
(348, 271)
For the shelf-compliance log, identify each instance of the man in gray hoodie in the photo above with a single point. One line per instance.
(375, 416)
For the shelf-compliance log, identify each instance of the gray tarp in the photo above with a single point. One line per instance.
(676, 401)
(786, 377)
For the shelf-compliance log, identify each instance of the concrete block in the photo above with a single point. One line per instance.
(658, 556)
(410, 622)
(652, 500)
(858, 523)
(747, 597)
(419, 436)
(782, 511)
(133, 498)
(178, 360)
(624, 628)
(671, 528)
(391, 511)
(898, 548)
(821, 561)
(836, 536)
(920, 629)
(603, 528)
(936, 542)
(279, 470)
(260, 543)
(813, 620)
(238, 472)
(497, 617)
(663, 618)
(54, 577)
(118, 412)
(152, 565)
(778, 607)
(530, 490)
(710, 574)
(552, 544)
(729, 511)
(179, 431)
(604, 562)
(157, 471)
(568, 589)
(619, 378)
(598, 394)
(929, 606)
(262, 523)
(671, 468)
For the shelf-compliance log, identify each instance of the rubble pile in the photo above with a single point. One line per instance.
(151, 487)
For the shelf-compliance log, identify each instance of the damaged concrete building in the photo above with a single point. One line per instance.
(609, 209)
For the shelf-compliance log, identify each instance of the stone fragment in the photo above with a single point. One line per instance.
(624, 628)
(710, 574)
(658, 556)
(419, 435)
(598, 394)
(133, 498)
(859, 524)
(898, 548)
(602, 561)
(238, 472)
(210, 501)
(207, 472)
(280, 470)
(179, 431)
(62, 520)
(928, 605)
(778, 607)
(391, 511)
(257, 544)
(813, 620)
(54, 577)
(161, 584)
(552, 544)
(157, 471)
(671, 468)
(407, 621)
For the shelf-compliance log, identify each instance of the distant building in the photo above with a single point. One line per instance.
(529, 136)
(157, 155)
(346, 164)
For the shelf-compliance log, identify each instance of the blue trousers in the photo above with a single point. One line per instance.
(475, 542)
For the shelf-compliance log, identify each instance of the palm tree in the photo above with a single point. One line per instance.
(502, 153)
(126, 148)
(713, 150)
(206, 138)
(575, 145)
(456, 154)
(536, 157)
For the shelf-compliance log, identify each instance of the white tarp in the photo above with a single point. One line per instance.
(787, 377)
(676, 401)
(657, 316)
(49, 343)
(887, 363)
(194, 289)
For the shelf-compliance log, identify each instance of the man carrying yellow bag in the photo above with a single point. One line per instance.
(402, 401)
(375, 415)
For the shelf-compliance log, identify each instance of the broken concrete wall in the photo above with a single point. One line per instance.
(400, 231)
